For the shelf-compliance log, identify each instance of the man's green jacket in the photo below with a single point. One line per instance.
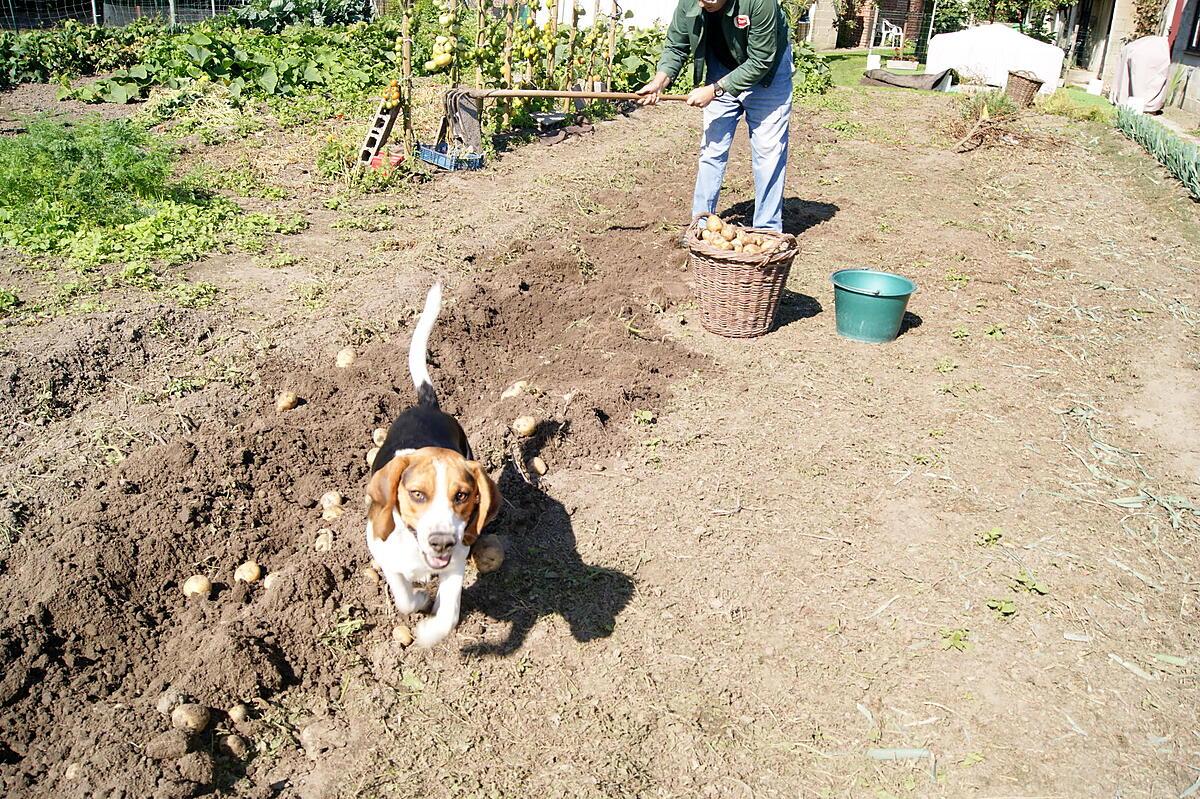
(755, 30)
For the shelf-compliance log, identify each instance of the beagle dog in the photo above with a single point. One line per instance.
(428, 499)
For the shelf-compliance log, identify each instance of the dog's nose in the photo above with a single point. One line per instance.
(441, 543)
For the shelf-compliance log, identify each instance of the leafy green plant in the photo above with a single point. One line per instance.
(644, 417)
(995, 104)
(1025, 580)
(812, 75)
(101, 192)
(1005, 608)
(195, 295)
(272, 16)
(989, 538)
(71, 50)
(994, 331)
(956, 639)
(1181, 158)
(56, 181)
(9, 301)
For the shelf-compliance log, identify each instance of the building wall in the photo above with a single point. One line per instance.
(1184, 88)
(823, 32)
(1122, 30)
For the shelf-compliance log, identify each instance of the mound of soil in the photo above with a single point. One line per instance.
(98, 643)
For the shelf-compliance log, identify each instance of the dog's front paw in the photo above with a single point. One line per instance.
(430, 632)
(422, 601)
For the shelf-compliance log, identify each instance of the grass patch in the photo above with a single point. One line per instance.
(1078, 105)
(102, 192)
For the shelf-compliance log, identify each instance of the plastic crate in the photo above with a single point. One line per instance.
(452, 163)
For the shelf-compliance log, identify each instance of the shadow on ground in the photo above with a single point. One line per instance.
(798, 215)
(543, 574)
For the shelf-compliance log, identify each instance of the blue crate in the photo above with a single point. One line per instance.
(453, 163)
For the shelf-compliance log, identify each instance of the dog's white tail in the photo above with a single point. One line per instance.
(417, 351)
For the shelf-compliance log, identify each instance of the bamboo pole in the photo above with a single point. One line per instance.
(406, 92)
(612, 44)
(553, 42)
(570, 65)
(480, 21)
(510, 7)
(456, 64)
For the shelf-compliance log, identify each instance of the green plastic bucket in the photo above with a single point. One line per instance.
(870, 305)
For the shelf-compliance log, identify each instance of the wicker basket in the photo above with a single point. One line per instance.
(739, 294)
(1022, 87)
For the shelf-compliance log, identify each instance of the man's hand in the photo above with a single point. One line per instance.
(702, 95)
(652, 89)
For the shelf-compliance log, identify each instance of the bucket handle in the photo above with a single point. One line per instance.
(854, 290)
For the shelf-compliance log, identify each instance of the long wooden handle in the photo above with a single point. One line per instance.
(480, 94)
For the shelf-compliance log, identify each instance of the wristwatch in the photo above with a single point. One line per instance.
(719, 91)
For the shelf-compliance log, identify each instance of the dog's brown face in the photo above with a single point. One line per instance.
(442, 497)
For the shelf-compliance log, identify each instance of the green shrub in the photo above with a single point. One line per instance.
(1180, 157)
(813, 75)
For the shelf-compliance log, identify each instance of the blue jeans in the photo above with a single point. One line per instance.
(768, 110)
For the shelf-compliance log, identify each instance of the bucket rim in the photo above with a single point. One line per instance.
(855, 290)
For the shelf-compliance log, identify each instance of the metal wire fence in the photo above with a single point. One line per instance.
(28, 14)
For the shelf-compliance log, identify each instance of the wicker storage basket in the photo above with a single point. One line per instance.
(739, 293)
(1022, 87)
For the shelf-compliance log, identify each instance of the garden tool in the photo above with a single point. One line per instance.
(460, 128)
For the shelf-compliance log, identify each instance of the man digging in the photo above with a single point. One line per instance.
(743, 65)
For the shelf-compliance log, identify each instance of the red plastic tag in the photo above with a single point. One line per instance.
(741, 21)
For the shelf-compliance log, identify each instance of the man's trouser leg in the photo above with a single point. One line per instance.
(720, 121)
(768, 111)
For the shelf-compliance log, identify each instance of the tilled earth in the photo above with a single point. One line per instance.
(750, 564)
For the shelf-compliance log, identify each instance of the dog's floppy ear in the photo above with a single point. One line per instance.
(489, 503)
(381, 494)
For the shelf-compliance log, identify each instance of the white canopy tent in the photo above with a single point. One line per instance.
(989, 52)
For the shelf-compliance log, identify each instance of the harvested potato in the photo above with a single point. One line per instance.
(539, 465)
(324, 541)
(73, 771)
(515, 390)
(524, 426)
(707, 235)
(729, 232)
(331, 499)
(248, 572)
(487, 554)
(402, 635)
(271, 580)
(378, 436)
(751, 249)
(369, 574)
(332, 512)
(197, 585)
(192, 718)
(345, 357)
(714, 223)
(285, 401)
(235, 745)
(371, 453)
(239, 714)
